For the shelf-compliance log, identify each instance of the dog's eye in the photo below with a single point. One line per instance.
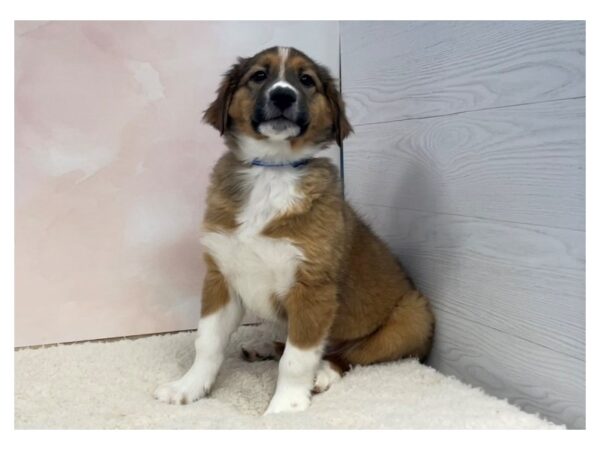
(259, 76)
(307, 80)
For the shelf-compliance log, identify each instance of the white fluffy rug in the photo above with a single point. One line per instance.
(110, 385)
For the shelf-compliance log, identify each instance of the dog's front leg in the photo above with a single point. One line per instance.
(310, 312)
(220, 316)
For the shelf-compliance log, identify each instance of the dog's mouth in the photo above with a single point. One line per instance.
(280, 127)
(280, 123)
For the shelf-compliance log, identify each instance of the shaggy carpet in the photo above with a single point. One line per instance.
(109, 385)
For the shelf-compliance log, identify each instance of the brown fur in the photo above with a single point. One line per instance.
(215, 294)
(349, 289)
(225, 195)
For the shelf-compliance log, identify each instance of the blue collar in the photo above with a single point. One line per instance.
(294, 164)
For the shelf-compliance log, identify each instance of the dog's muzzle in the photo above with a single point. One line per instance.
(281, 114)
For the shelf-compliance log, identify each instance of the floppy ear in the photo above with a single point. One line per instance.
(342, 127)
(217, 113)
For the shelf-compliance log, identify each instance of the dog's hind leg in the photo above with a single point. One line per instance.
(330, 369)
(263, 352)
(407, 333)
(327, 374)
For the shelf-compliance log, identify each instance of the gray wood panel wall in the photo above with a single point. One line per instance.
(469, 159)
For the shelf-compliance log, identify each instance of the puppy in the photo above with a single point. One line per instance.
(282, 243)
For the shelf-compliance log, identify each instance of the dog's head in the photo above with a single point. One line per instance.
(280, 94)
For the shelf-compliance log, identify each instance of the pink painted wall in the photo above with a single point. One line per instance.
(111, 166)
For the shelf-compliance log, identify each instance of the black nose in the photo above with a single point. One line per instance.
(283, 98)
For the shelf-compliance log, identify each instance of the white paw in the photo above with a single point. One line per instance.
(289, 401)
(325, 377)
(181, 392)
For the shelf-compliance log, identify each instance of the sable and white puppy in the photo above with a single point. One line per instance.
(281, 241)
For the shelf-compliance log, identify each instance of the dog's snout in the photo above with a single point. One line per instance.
(282, 98)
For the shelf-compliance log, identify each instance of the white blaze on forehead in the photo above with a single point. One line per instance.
(283, 56)
(284, 52)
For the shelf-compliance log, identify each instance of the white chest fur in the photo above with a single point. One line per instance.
(256, 266)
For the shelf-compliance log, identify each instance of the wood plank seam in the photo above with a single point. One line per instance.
(443, 213)
(504, 332)
(455, 113)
